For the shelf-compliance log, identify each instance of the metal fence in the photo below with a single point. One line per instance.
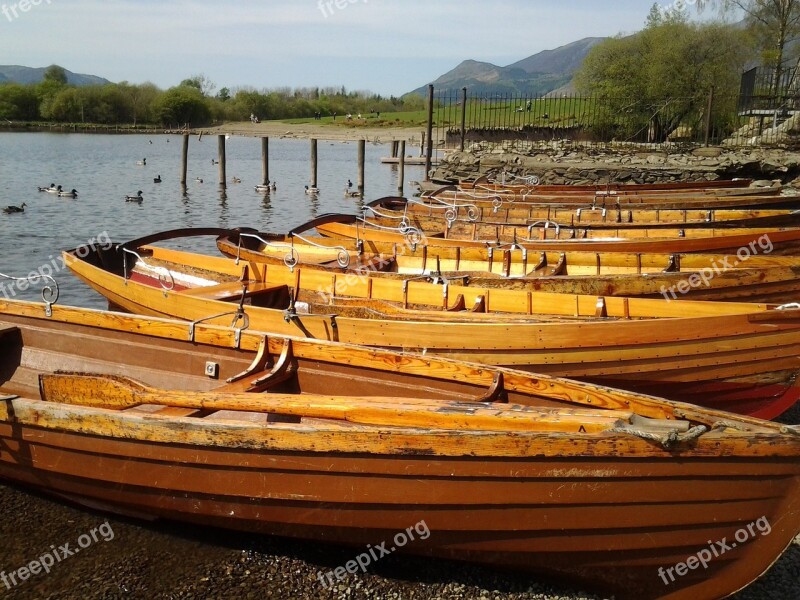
(750, 118)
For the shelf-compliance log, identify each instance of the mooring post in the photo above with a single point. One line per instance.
(184, 158)
(394, 148)
(429, 147)
(463, 117)
(401, 168)
(313, 162)
(264, 160)
(362, 151)
(221, 152)
(709, 108)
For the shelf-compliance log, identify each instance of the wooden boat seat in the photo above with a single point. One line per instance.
(233, 290)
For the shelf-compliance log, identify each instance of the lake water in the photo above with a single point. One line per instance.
(103, 169)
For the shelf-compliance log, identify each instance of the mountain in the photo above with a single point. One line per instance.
(533, 76)
(20, 74)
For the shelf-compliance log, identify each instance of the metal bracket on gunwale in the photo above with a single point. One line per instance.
(50, 292)
(237, 331)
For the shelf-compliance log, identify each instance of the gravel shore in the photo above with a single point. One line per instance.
(175, 561)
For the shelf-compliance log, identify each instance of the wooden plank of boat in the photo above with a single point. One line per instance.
(716, 355)
(651, 483)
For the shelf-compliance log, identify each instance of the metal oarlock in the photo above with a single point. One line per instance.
(50, 290)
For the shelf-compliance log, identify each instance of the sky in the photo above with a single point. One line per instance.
(385, 46)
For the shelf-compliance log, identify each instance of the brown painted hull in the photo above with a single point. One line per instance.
(605, 508)
(619, 523)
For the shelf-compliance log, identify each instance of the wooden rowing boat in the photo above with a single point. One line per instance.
(740, 357)
(757, 278)
(526, 183)
(335, 443)
(742, 199)
(525, 230)
(399, 231)
(589, 217)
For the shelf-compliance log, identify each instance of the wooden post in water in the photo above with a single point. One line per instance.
(264, 160)
(401, 168)
(184, 158)
(422, 144)
(362, 152)
(463, 117)
(394, 148)
(221, 150)
(313, 162)
(429, 147)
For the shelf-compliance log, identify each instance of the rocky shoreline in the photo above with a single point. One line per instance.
(170, 561)
(561, 163)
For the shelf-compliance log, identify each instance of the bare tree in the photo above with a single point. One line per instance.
(776, 22)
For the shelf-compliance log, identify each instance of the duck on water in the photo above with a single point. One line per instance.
(10, 210)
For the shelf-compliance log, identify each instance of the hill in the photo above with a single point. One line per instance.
(19, 74)
(536, 75)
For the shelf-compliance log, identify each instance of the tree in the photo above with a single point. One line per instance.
(182, 105)
(18, 102)
(774, 23)
(224, 95)
(200, 82)
(55, 74)
(660, 78)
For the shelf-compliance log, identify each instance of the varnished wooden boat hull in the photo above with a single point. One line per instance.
(625, 188)
(589, 217)
(650, 342)
(610, 511)
(785, 241)
(761, 278)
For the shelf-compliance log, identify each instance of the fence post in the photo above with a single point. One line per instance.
(463, 116)
(429, 147)
(708, 115)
